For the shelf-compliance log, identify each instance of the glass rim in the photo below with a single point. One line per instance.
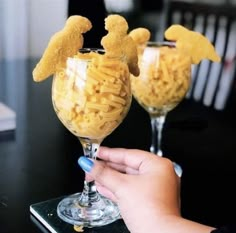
(87, 50)
(161, 43)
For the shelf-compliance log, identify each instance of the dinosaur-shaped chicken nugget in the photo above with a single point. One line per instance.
(140, 35)
(192, 43)
(63, 44)
(117, 43)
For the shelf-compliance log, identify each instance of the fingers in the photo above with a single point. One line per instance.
(123, 168)
(103, 174)
(117, 167)
(128, 157)
(106, 192)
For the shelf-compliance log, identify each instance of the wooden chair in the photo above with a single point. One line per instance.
(211, 82)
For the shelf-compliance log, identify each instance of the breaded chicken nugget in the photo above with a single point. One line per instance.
(118, 43)
(62, 44)
(192, 43)
(140, 35)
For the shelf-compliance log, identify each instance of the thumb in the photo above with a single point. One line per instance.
(102, 173)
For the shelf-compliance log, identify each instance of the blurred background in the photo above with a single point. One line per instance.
(27, 25)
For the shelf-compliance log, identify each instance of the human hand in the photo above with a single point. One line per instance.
(145, 186)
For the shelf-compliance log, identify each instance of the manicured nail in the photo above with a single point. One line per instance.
(85, 163)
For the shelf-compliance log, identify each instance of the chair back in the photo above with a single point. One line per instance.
(211, 82)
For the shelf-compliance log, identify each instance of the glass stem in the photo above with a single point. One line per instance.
(157, 123)
(89, 194)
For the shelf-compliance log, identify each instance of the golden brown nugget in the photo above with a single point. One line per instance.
(118, 43)
(140, 35)
(192, 43)
(118, 23)
(62, 45)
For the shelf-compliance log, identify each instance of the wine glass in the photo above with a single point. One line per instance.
(91, 97)
(165, 75)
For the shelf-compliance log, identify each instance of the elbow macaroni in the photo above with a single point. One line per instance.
(93, 95)
(163, 81)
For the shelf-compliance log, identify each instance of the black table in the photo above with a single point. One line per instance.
(38, 161)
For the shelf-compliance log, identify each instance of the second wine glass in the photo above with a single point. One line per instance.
(165, 75)
(91, 97)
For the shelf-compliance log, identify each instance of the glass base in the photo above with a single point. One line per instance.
(101, 212)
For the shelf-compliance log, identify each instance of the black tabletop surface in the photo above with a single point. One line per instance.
(38, 161)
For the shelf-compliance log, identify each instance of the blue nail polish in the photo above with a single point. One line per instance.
(85, 163)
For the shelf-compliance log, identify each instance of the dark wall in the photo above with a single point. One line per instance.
(95, 11)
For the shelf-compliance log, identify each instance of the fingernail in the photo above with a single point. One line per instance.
(85, 163)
